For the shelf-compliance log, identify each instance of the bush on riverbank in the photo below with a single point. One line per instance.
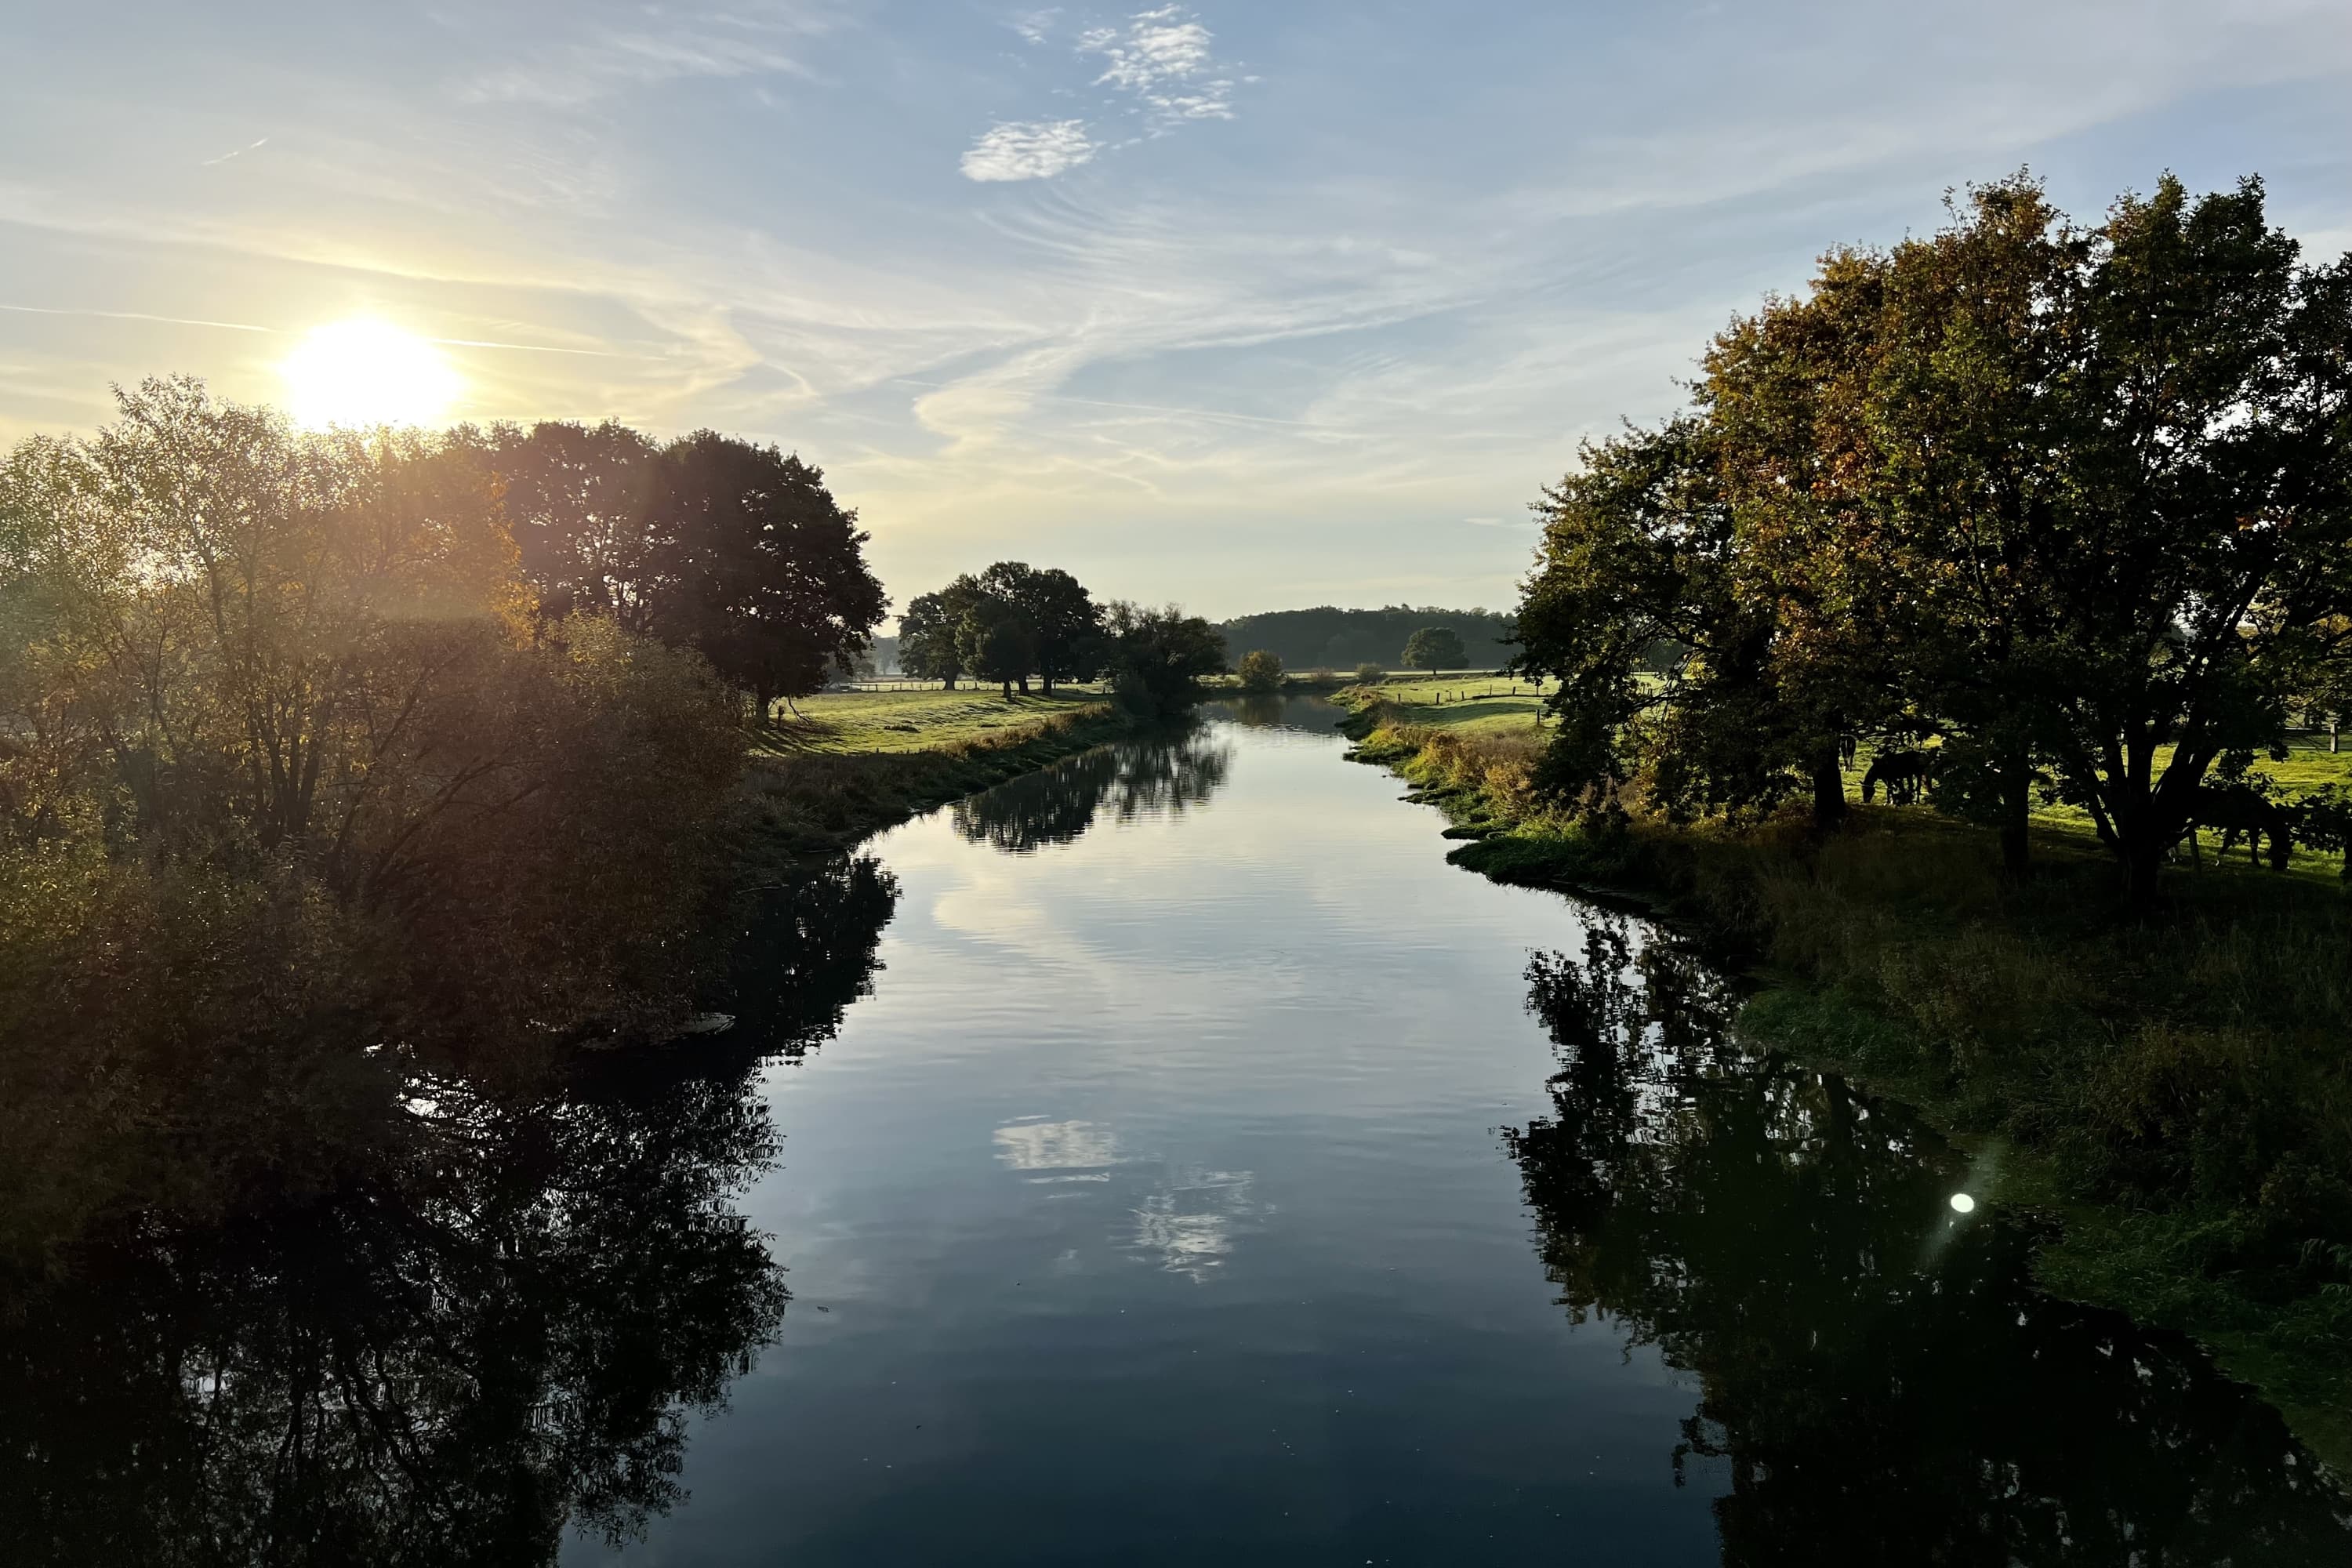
(2177, 1082)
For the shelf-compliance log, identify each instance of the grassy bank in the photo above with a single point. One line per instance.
(2175, 1090)
(859, 762)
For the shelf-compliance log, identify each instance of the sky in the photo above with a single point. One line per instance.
(1246, 305)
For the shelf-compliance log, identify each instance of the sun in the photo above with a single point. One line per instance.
(366, 372)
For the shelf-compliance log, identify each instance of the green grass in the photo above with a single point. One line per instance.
(859, 761)
(2176, 1087)
(1483, 704)
(2065, 830)
(843, 723)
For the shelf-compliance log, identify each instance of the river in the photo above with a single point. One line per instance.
(1168, 1158)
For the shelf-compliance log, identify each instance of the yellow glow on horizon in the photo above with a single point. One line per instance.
(366, 372)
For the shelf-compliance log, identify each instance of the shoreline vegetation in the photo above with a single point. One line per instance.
(857, 764)
(2047, 526)
(2087, 1064)
(336, 763)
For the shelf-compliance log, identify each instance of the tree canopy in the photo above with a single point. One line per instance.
(1434, 648)
(1008, 623)
(269, 692)
(2071, 502)
(732, 549)
(1159, 655)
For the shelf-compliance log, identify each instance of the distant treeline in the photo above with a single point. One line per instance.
(1326, 637)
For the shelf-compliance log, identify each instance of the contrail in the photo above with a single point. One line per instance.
(238, 152)
(528, 348)
(276, 332)
(137, 316)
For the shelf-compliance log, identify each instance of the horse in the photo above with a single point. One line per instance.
(1906, 775)
(2235, 809)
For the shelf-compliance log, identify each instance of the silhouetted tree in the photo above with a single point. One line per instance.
(928, 645)
(1434, 648)
(769, 581)
(577, 498)
(1158, 656)
(1063, 624)
(996, 642)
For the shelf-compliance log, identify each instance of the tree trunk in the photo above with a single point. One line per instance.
(2334, 728)
(2016, 810)
(1829, 790)
(2143, 860)
(1024, 685)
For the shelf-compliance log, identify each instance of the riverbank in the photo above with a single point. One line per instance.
(854, 763)
(2173, 1093)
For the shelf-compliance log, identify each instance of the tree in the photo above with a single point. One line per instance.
(2073, 499)
(1065, 625)
(768, 579)
(1640, 557)
(1369, 674)
(2323, 694)
(996, 642)
(273, 692)
(577, 500)
(928, 648)
(1261, 671)
(1434, 648)
(1157, 656)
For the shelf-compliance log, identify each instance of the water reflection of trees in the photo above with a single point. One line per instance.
(1879, 1378)
(803, 952)
(1122, 781)
(499, 1318)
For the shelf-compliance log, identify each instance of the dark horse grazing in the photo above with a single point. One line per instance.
(1906, 775)
(2235, 809)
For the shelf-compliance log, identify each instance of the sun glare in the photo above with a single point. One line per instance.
(368, 373)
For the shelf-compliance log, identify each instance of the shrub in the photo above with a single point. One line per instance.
(1369, 674)
(1260, 671)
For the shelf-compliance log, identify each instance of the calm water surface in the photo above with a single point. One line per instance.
(1214, 1174)
(1166, 1159)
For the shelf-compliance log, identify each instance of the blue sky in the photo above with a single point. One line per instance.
(1245, 305)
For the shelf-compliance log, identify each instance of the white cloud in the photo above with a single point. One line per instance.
(1166, 59)
(1028, 150)
(1056, 1145)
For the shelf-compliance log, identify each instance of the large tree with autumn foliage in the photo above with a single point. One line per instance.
(2076, 501)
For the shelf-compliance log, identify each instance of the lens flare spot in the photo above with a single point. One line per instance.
(1963, 1203)
(366, 372)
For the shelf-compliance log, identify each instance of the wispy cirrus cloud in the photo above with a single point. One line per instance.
(1028, 150)
(631, 48)
(1160, 66)
(1166, 59)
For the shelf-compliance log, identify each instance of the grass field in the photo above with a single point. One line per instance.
(912, 719)
(856, 763)
(1470, 702)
